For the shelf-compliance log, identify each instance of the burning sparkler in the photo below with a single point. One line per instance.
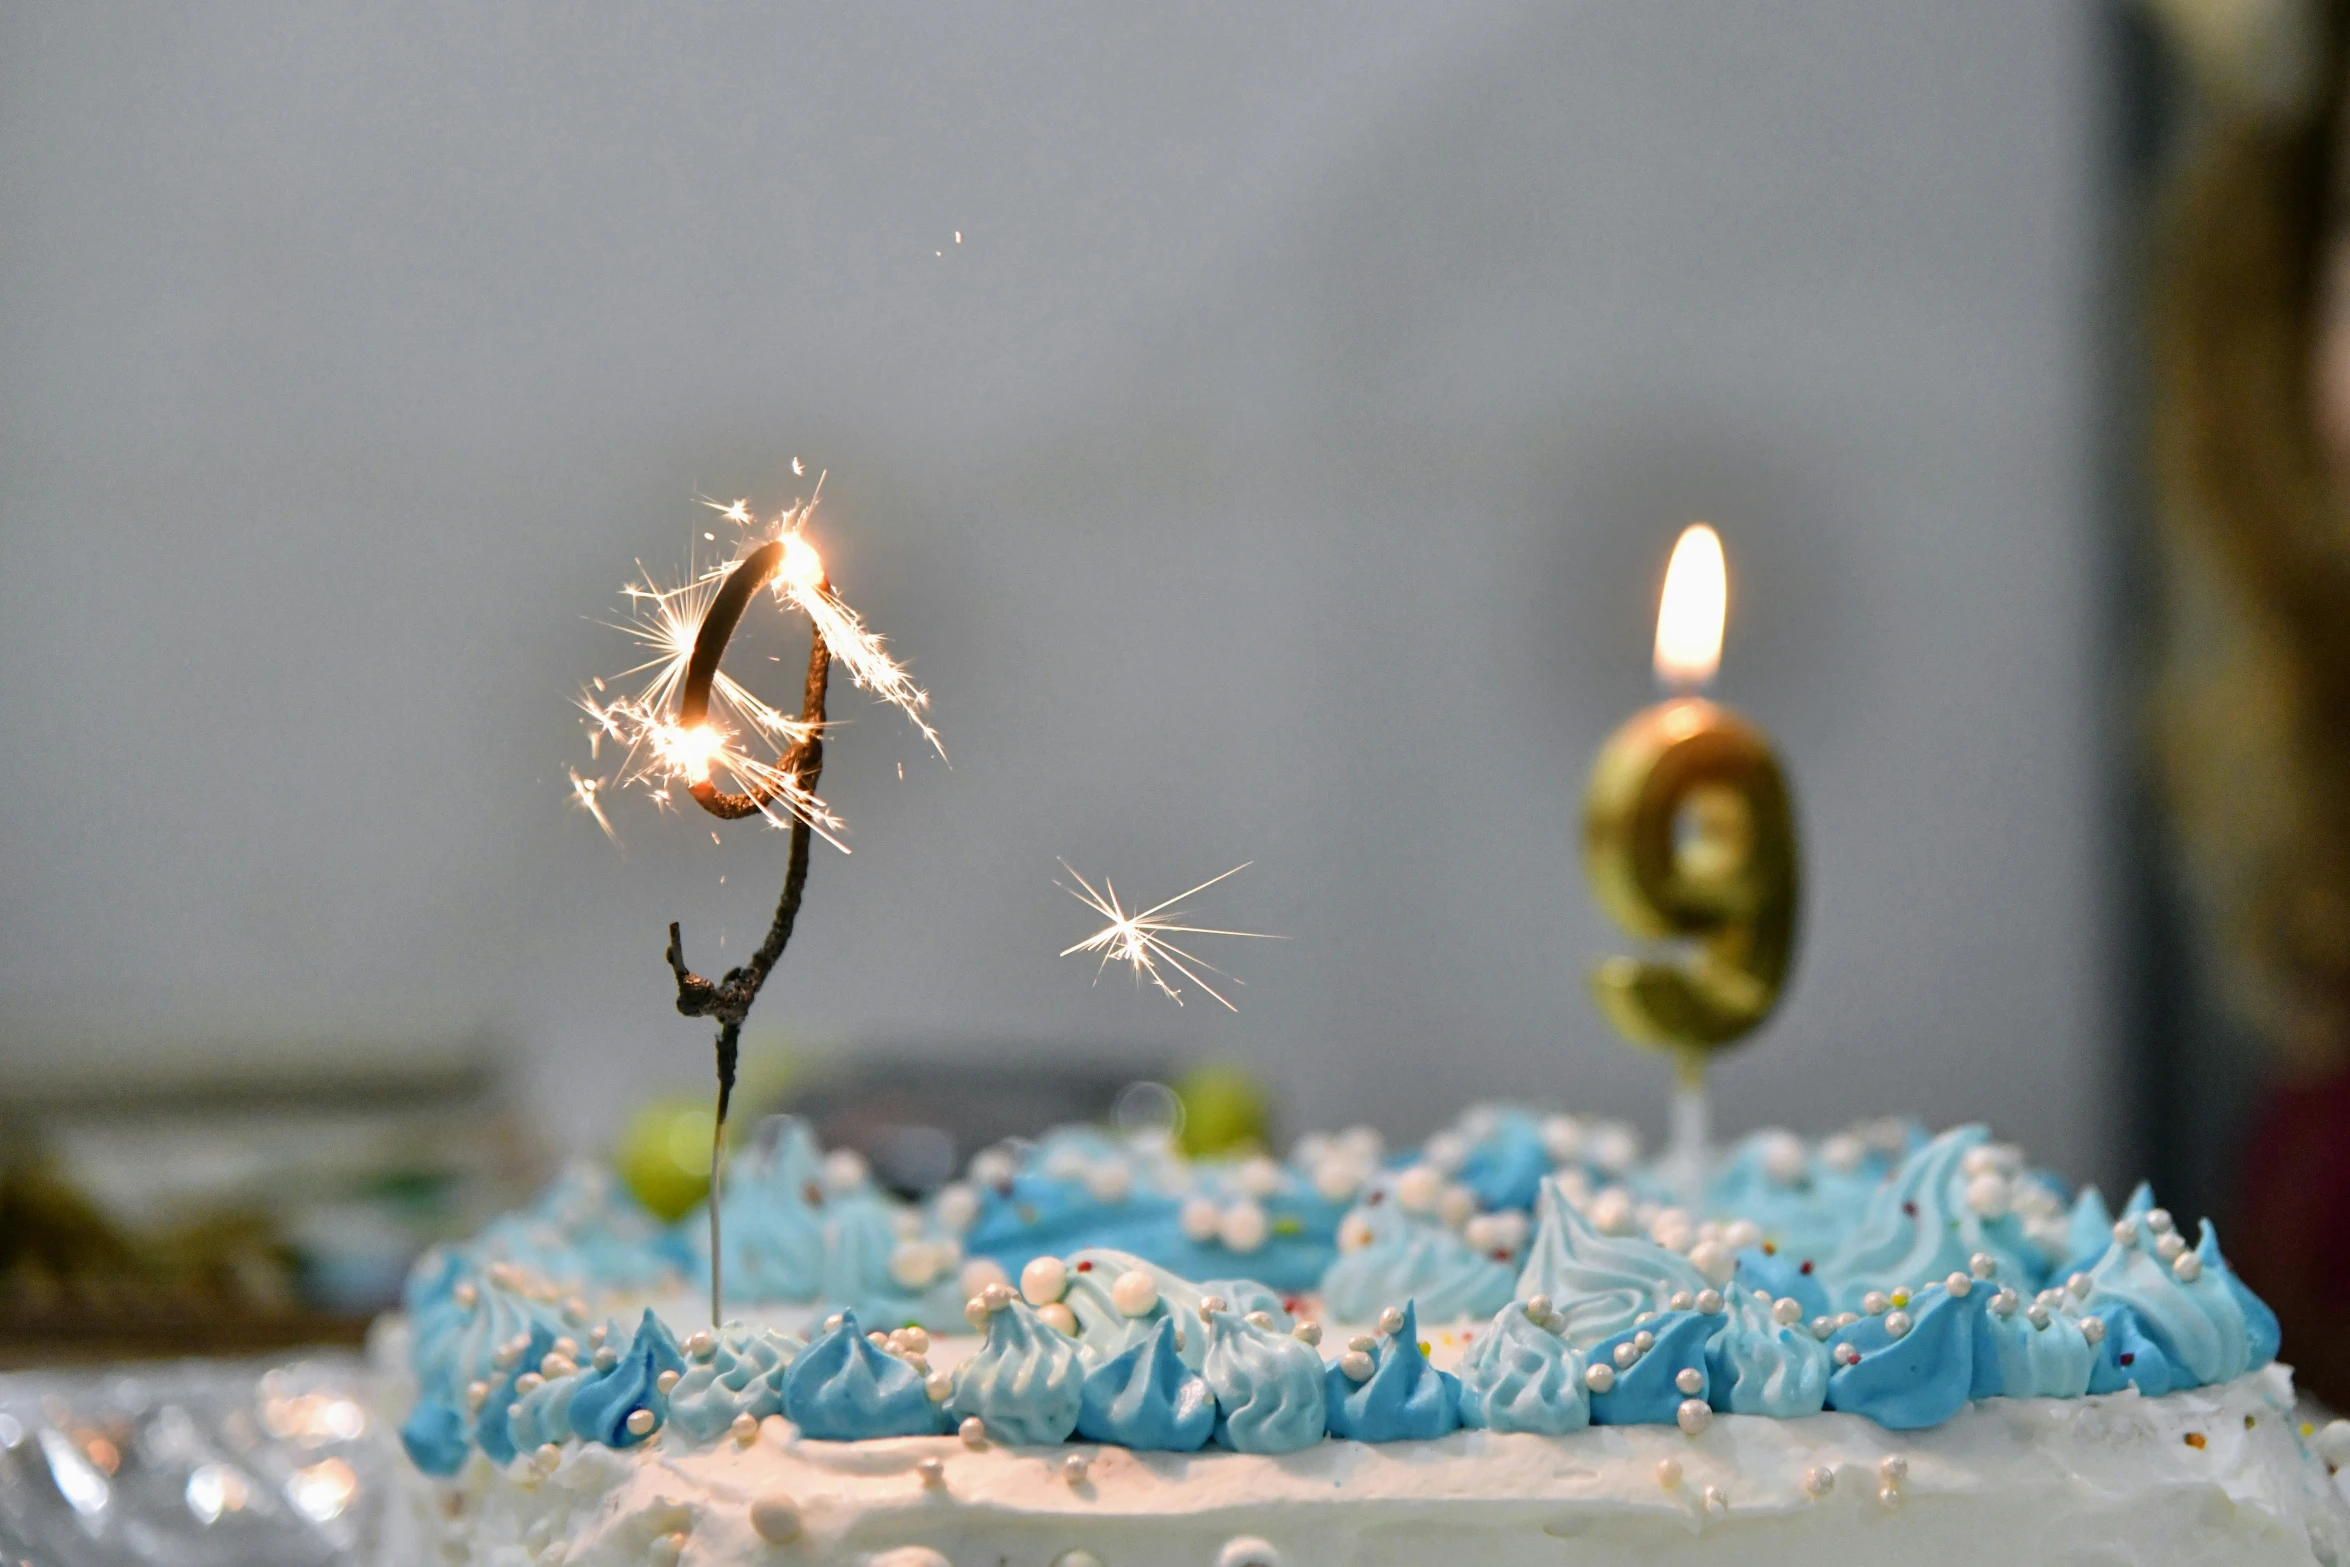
(686, 721)
(1140, 940)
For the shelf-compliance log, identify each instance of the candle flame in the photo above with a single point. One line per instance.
(1689, 620)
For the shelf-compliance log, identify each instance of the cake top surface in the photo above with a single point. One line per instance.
(1520, 1271)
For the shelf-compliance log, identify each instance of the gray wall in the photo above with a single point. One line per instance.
(1282, 467)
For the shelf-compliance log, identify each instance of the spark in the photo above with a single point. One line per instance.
(584, 789)
(1139, 940)
(801, 582)
(799, 469)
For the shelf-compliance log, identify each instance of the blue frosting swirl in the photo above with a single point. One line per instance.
(1919, 1379)
(469, 1328)
(843, 1389)
(490, 1430)
(770, 1212)
(2259, 1322)
(2088, 1230)
(1506, 1163)
(1599, 1283)
(1410, 1258)
(1267, 1387)
(1803, 1211)
(1145, 1397)
(1648, 1392)
(602, 1403)
(743, 1375)
(1918, 1228)
(860, 1237)
(1782, 1277)
(542, 1416)
(1403, 1400)
(2016, 1357)
(2200, 1325)
(1521, 1376)
(2129, 1356)
(1026, 1382)
(584, 1229)
(1756, 1366)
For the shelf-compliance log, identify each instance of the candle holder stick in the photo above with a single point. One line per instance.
(729, 999)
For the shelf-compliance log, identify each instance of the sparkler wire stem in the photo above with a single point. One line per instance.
(729, 999)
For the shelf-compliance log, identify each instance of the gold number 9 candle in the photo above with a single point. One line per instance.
(1688, 838)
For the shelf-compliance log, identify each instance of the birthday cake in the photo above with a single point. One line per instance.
(1519, 1341)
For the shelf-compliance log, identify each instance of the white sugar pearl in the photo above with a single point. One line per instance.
(1109, 1182)
(976, 1313)
(699, 1345)
(547, 1459)
(2159, 1221)
(1058, 1316)
(939, 1387)
(2125, 1233)
(1958, 1285)
(1694, 1415)
(932, 1470)
(2331, 1443)
(845, 1170)
(1843, 1153)
(1539, 1307)
(1714, 1260)
(1135, 1293)
(1419, 1188)
(1690, 1380)
(1074, 1468)
(1199, 1218)
(1787, 1311)
(1243, 1227)
(1680, 1300)
(2037, 1315)
(1044, 1280)
(2093, 1329)
(1893, 1469)
(973, 1431)
(1823, 1327)
(1847, 1355)
(2004, 1302)
(1709, 1302)
(775, 1518)
(913, 1264)
(1896, 1323)
(1644, 1341)
(1780, 1154)
(1391, 1321)
(1874, 1303)
(1248, 1551)
(744, 1429)
(1259, 1319)
(1356, 1364)
(1668, 1473)
(1307, 1333)
(1209, 1305)
(640, 1422)
(1982, 1265)
(979, 1273)
(667, 1381)
(1337, 1179)
(1819, 1479)
(2186, 1267)
(1364, 1342)
(1614, 1147)
(1562, 1138)
(1715, 1502)
(1447, 1151)
(1889, 1495)
(1599, 1377)
(1457, 1206)
(2169, 1247)
(956, 1207)
(833, 1322)
(1625, 1353)
(1611, 1212)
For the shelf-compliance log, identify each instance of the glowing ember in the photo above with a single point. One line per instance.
(1139, 940)
(742, 741)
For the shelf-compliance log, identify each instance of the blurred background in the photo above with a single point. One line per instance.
(1263, 431)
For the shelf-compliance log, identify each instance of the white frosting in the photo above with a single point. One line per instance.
(2109, 1480)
